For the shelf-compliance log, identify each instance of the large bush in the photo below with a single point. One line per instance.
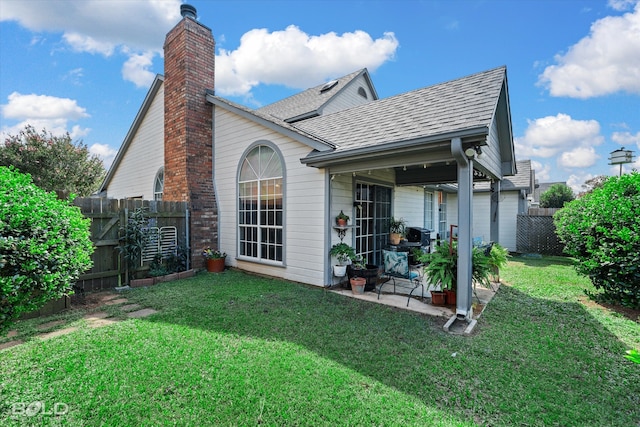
(44, 246)
(54, 162)
(602, 230)
(556, 196)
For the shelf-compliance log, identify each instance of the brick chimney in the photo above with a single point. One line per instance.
(188, 73)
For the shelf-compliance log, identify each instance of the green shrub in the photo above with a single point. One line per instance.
(44, 246)
(556, 196)
(602, 230)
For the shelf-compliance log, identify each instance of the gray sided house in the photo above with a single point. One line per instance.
(265, 185)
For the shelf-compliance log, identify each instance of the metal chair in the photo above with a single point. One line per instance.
(396, 266)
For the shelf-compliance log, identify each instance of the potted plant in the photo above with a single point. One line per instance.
(498, 257)
(358, 283)
(344, 254)
(396, 230)
(342, 219)
(441, 270)
(360, 269)
(214, 259)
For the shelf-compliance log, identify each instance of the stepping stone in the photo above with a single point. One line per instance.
(58, 333)
(10, 344)
(12, 334)
(96, 316)
(115, 301)
(51, 324)
(142, 313)
(107, 297)
(130, 307)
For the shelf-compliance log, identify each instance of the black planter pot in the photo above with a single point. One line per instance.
(370, 273)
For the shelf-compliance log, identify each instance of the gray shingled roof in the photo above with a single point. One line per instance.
(455, 106)
(520, 181)
(308, 101)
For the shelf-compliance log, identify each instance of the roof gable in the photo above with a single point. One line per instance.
(311, 102)
(157, 83)
(465, 104)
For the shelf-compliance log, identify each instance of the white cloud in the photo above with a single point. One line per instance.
(622, 5)
(43, 112)
(626, 138)
(136, 69)
(82, 43)
(293, 58)
(42, 107)
(105, 152)
(543, 171)
(577, 182)
(548, 136)
(604, 62)
(580, 157)
(100, 27)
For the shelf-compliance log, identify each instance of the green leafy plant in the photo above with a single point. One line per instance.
(498, 257)
(556, 196)
(343, 253)
(54, 162)
(441, 266)
(397, 225)
(343, 216)
(44, 246)
(209, 253)
(601, 230)
(134, 236)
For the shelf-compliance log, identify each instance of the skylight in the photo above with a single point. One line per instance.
(328, 86)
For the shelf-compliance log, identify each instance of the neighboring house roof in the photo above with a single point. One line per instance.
(144, 108)
(310, 102)
(522, 180)
(459, 107)
(544, 186)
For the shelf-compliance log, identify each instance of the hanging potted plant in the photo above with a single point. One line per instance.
(396, 230)
(214, 259)
(344, 254)
(342, 219)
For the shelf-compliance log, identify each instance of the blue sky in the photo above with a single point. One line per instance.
(84, 66)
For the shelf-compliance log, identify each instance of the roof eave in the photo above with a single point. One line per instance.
(297, 135)
(324, 159)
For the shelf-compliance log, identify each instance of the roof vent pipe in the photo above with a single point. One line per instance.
(188, 11)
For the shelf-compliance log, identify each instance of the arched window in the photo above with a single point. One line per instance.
(158, 184)
(260, 205)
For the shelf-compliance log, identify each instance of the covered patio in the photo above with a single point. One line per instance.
(388, 153)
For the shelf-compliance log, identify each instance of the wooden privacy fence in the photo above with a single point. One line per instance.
(536, 233)
(107, 216)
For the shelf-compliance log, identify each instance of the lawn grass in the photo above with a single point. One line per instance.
(236, 349)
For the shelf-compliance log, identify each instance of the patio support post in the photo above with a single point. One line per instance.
(494, 209)
(465, 224)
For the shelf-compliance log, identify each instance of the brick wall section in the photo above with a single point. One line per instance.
(189, 72)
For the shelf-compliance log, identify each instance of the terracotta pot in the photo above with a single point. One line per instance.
(394, 238)
(215, 265)
(438, 298)
(451, 297)
(358, 284)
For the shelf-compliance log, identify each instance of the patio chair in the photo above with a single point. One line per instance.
(396, 266)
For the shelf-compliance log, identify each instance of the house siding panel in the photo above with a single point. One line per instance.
(349, 97)
(305, 251)
(508, 219)
(144, 157)
(409, 205)
(481, 212)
